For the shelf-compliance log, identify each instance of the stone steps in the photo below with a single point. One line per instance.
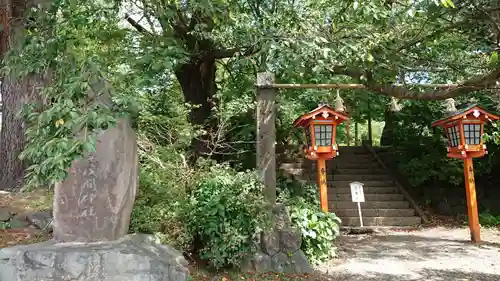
(369, 197)
(374, 212)
(359, 171)
(337, 205)
(384, 204)
(382, 221)
(354, 177)
(366, 183)
(353, 157)
(355, 165)
(347, 190)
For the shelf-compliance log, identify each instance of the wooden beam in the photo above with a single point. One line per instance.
(359, 86)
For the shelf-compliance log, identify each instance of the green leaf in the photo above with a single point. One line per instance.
(493, 59)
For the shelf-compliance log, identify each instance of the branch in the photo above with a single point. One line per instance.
(227, 53)
(401, 92)
(136, 25)
(494, 24)
(466, 87)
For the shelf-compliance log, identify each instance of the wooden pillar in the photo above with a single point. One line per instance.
(323, 192)
(370, 137)
(348, 132)
(266, 134)
(470, 190)
(356, 133)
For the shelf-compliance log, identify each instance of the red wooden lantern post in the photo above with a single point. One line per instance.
(464, 130)
(319, 129)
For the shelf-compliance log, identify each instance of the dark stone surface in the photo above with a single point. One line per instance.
(270, 243)
(41, 219)
(5, 214)
(281, 217)
(290, 240)
(279, 249)
(132, 258)
(94, 203)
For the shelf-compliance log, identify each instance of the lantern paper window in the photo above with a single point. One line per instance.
(453, 136)
(323, 135)
(308, 137)
(472, 133)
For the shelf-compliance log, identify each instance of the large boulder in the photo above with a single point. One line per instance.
(132, 258)
(95, 201)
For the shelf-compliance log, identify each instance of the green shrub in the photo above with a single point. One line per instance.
(487, 219)
(318, 229)
(226, 210)
(162, 195)
(4, 225)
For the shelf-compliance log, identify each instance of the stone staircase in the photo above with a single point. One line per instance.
(384, 204)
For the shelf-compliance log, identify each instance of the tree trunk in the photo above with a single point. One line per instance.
(387, 137)
(15, 93)
(197, 80)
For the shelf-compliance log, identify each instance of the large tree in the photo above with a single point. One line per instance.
(195, 30)
(16, 92)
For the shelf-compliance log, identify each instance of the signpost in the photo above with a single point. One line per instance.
(358, 196)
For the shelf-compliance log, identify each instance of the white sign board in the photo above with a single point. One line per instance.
(357, 193)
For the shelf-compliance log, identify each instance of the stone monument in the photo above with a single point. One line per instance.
(92, 210)
(95, 201)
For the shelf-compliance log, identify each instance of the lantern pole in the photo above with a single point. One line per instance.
(323, 193)
(470, 190)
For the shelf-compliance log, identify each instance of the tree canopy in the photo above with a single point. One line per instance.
(185, 70)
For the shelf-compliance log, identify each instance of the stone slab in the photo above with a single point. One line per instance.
(132, 258)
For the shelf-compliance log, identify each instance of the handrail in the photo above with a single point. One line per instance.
(401, 188)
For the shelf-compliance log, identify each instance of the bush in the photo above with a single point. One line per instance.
(487, 219)
(226, 209)
(221, 210)
(318, 229)
(162, 195)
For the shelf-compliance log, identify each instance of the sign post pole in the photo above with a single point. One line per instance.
(360, 216)
(358, 196)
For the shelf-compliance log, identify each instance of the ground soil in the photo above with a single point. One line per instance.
(22, 205)
(430, 254)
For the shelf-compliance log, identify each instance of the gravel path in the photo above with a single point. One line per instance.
(432, 254)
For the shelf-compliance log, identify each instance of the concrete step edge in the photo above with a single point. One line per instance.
(369, 213)
(382, 221)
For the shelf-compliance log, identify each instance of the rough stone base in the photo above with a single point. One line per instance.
(132, 258)
(279, 250)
